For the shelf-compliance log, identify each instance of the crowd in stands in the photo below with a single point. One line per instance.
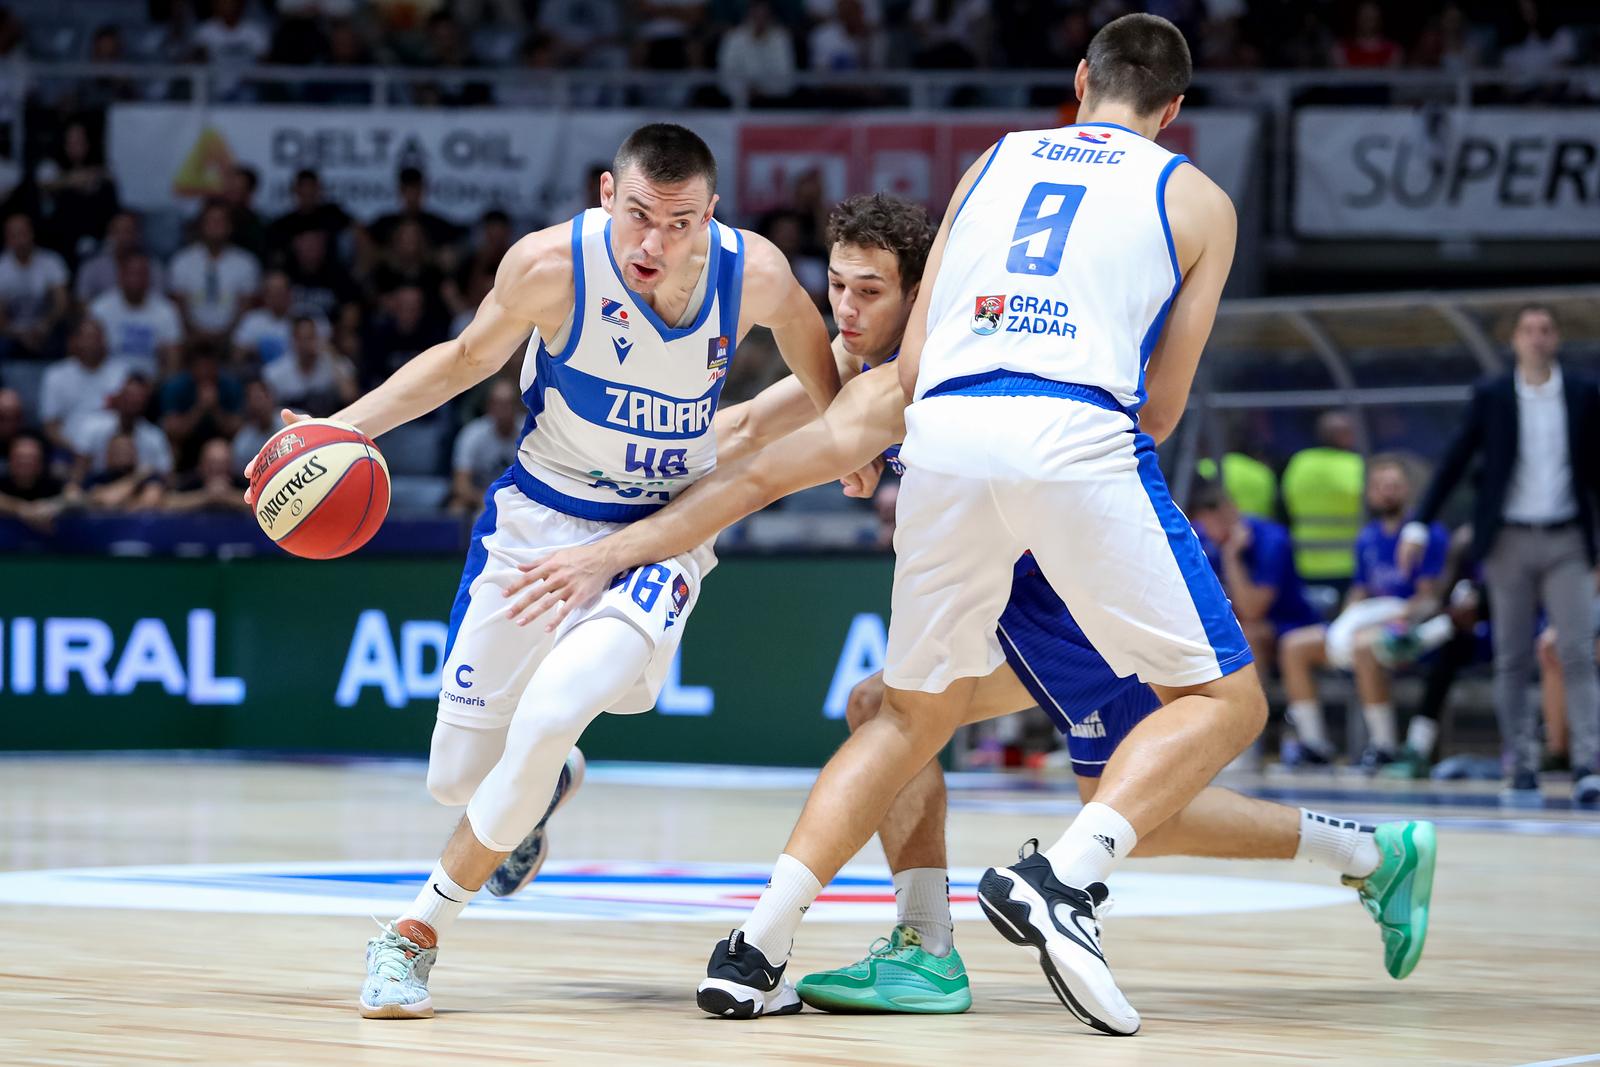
(760, 44)
(129, 380)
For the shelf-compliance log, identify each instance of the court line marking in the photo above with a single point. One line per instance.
(1591, 1058)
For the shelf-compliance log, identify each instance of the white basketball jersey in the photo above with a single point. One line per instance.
(1058, 270)
(619, 413)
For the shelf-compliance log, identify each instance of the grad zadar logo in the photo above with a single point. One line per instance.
(579, 890)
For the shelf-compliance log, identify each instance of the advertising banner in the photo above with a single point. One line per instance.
(1486, 172)
(535, 164)
(345, 657)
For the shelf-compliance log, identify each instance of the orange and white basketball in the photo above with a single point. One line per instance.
(321, 488)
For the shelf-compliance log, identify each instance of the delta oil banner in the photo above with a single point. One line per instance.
(1489, 172)
(530, 165)
(535, 165)
(344, 657)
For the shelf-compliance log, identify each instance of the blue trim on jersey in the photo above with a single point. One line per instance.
(578, 507)
(477, 559)
(672, 333)
(1020, 383)
(730, 290)
(971, 188)
(1153, 334)
(1205, 589)
(577, 292)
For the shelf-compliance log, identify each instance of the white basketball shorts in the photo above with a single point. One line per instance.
(489, 659)
(991, 477)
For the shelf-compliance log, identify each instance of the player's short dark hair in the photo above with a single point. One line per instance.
(1535, 307)
(409, 175)
(893, 223)
(306, 174)
(667, 154)
(1207, 495)
(1139, 59)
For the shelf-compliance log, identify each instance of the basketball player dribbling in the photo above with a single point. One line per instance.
(878, 245)
(635, 309)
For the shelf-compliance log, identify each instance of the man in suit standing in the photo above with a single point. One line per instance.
(1536, 434)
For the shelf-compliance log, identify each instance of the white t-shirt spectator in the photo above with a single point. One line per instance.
(482, 452)
(25, 287)
(97, 275)
(248, 441)
(266, 336)
(71, 391)
(136, 334)
(1534, 56)
(214, 288)
(292, 386)
(831, 48)
(94, 431)
(240, 45)
(765, 64)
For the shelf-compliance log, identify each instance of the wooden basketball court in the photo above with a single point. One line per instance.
(1510, 976)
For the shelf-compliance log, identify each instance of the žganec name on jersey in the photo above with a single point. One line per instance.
(1088, 151)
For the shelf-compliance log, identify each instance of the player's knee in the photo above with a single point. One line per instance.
(451, 786)
(864, 701)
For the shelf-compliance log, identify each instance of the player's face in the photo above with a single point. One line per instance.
(1388, 490)
(654, 227)
(869, 306)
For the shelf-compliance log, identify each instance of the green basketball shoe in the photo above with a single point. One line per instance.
(1398, 893)
(898, 975)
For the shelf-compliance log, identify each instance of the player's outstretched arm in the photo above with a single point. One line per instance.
(780, 408)
(774, 299)
(867, 417)
(910, 361)
(1204, 230)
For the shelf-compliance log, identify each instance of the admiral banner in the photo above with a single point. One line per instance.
(1489, 172)
(209, 654)
(536, 165)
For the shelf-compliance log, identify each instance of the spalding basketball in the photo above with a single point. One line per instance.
(321, 488)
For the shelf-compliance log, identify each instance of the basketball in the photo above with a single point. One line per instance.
(321, 489)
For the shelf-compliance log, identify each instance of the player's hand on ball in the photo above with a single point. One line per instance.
(864, 482)
(289, 419)
(562, 583)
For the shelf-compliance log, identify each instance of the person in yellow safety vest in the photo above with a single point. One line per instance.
(1322, 490)
(1250, 482)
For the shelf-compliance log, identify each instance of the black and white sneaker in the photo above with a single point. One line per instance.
(1030, 906)
(741, 984)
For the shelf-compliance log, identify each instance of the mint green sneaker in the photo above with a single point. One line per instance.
(898, 975)
(1397, 894)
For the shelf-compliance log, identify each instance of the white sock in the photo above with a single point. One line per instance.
(922, 902)
(1380, 725)
(777, 915)
(440, 901)
(1421, 735)
(1343, 845)
(1092, 845)
(1306, 718)
(1435, 632)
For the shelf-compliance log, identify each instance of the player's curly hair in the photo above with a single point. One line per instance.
(880, 220)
